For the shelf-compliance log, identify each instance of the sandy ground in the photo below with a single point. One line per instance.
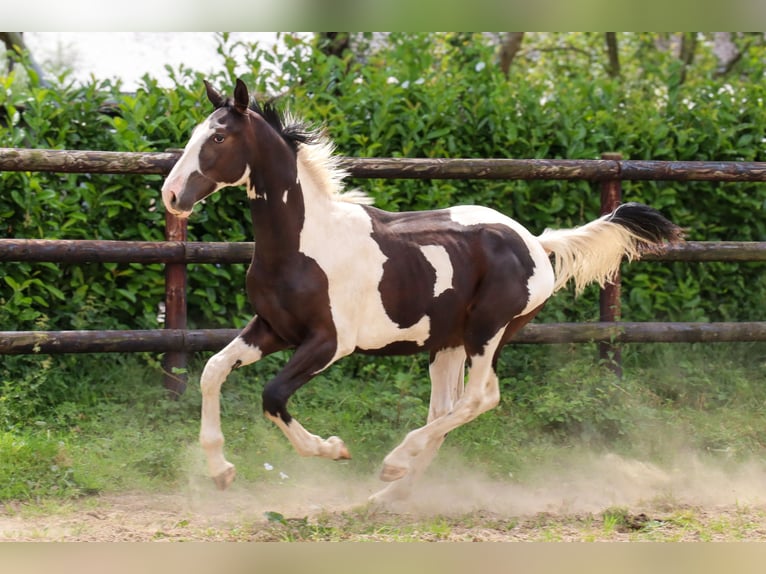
(690, 502)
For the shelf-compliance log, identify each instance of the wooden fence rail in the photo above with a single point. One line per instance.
(145, 252)
(159, 163)
(176, 252)
(192, 340)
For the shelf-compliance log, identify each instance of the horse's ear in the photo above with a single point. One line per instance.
(215, 98)
(241, 97)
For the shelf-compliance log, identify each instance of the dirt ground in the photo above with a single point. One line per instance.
(610, 499)
(151, 517)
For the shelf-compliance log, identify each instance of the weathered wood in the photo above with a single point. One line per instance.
(137, 341)
(75, 161)
(650, 332)
(592, 170)
(437, 168)
(176, 339)
(692, 170)
(107, 251)
(169, 340)
(711, 251)
(174, 363)
(609, 302)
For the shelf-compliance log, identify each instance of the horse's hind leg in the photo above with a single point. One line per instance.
(482, 393)
(447, 372)
(255, 341)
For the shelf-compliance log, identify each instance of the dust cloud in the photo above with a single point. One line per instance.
(583, 483)
(593, 484)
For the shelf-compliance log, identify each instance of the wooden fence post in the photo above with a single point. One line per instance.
(175, 362)
(609, 299)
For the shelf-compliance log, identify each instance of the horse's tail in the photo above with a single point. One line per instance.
(594, 251)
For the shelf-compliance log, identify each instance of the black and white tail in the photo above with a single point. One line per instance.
(593, 252)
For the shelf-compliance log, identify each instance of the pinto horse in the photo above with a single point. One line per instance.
(332, 275)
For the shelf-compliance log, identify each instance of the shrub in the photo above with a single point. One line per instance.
(418, 95)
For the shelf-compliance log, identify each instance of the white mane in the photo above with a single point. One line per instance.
(317, 158)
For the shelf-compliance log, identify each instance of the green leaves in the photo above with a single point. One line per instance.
(408, 95)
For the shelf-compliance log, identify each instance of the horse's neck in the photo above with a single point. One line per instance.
(282, 202)
(279, 217)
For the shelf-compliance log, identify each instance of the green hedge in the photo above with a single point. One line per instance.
(422, 95)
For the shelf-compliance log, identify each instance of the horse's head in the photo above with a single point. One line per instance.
(216, 155)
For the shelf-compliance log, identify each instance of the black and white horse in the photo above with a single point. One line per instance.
(332, 275)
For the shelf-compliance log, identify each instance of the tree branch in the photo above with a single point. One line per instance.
(509, 49)
(614, 55)
(14, 42)
(688, 48)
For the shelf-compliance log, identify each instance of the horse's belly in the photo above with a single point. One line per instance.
(364, 325)
(379, 333)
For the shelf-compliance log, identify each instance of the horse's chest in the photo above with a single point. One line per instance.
(292, 297)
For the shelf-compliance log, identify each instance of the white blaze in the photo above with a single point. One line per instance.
(188, 163)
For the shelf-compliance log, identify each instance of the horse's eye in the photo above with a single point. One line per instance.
(218, 138)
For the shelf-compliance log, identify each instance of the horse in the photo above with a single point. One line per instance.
(332, 275)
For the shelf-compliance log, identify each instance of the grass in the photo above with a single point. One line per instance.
(79, 425)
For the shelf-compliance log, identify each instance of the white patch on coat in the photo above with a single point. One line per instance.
(540, 284)
(284, 196)
(331, 226)
(439, 259)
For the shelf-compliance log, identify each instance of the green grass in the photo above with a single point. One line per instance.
(73, 425)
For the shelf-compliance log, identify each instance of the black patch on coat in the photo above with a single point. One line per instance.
(491, 267)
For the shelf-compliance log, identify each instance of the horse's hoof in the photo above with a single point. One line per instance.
(337, 449)
(223, 480)
(343, 454)
(391, 473)
(390, 495)
(379, 500)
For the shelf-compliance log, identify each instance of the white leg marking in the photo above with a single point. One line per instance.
(236, 353)
(481, 394)
(439, 259)
(447, 373)
(307, 444)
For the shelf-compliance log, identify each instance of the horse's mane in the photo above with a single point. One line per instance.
(314, 149)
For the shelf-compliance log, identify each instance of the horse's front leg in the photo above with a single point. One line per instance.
(255, 341)
(310, 358)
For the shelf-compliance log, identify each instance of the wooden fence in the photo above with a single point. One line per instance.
(176, 341)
